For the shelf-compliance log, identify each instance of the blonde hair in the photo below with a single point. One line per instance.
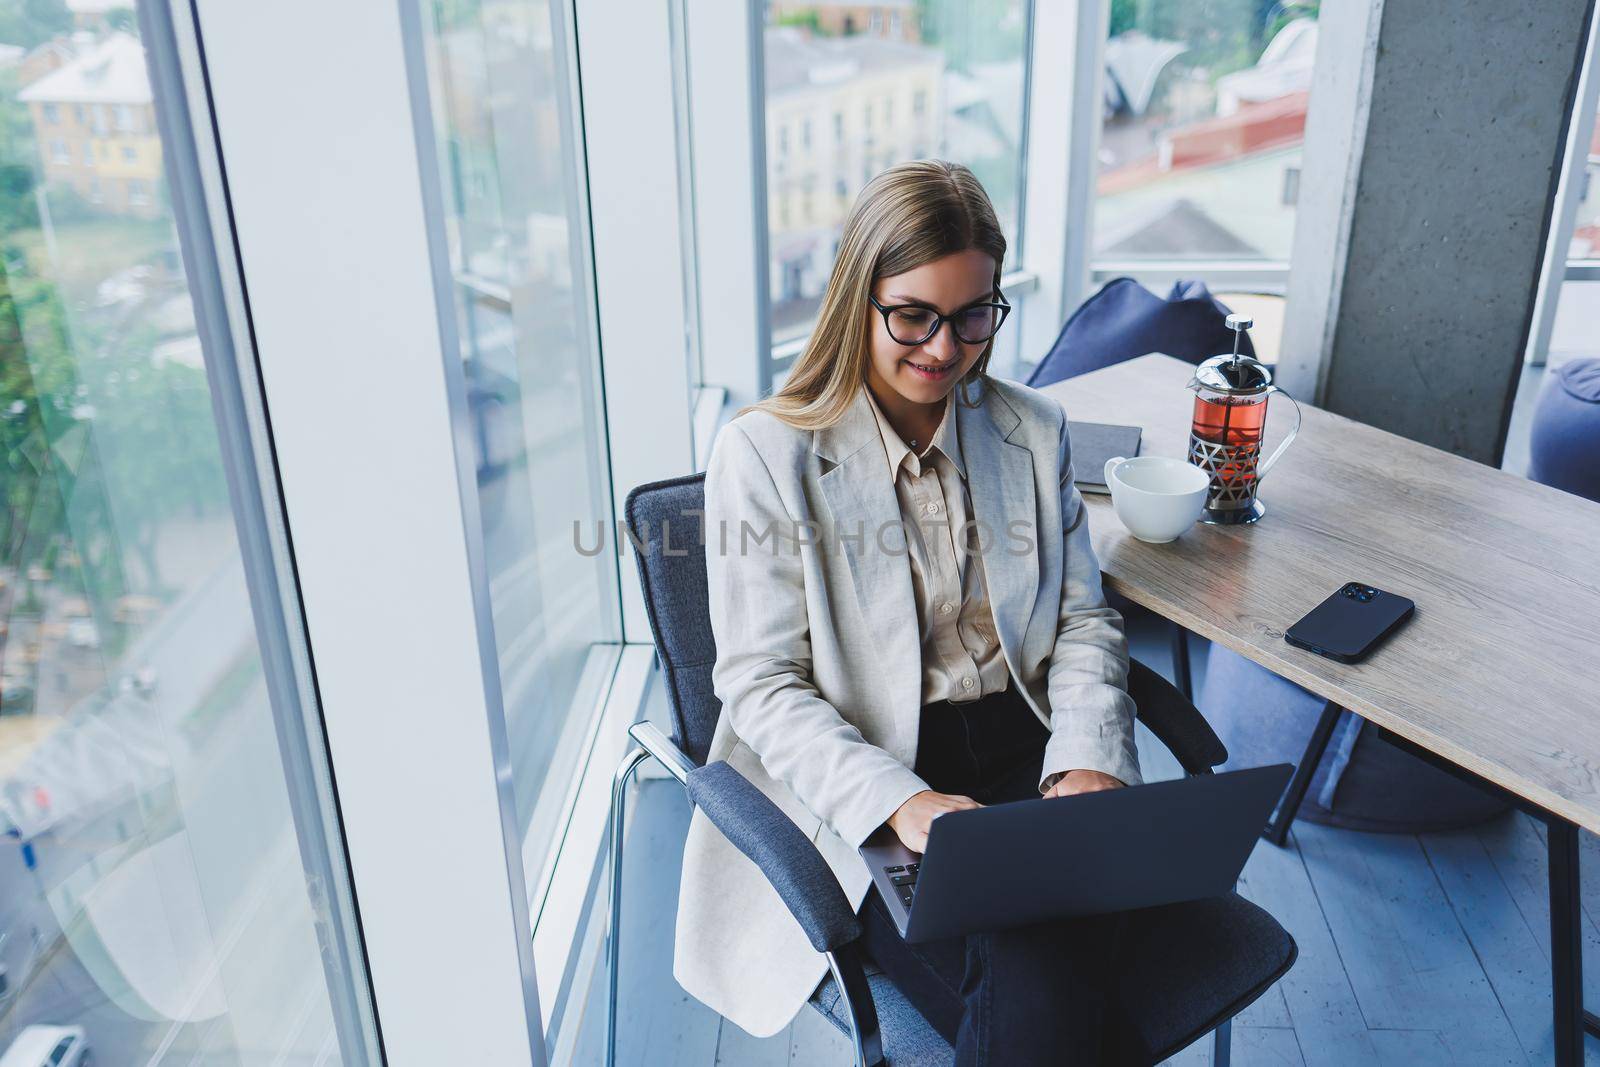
(911, 214)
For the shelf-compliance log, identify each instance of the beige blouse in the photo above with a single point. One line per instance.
(961, 656)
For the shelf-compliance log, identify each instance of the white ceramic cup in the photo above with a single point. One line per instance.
(1157, 498)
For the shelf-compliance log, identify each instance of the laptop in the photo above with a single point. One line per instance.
(1013, 864)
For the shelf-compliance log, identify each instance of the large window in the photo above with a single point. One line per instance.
(1566, 326)
(154, 903)
(1575, 333)
(852, 89)
(1204, 110)
(516, 230)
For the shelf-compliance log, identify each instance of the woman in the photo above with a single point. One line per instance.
(869, 678)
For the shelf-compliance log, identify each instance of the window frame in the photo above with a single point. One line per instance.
(1557, 268)
(184, 121)
(357, 232)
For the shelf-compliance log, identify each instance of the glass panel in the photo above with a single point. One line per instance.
(1575, 329)
(854, 89)
(153, 903)
(1204, 110)
(498, 79)
(1576, 333)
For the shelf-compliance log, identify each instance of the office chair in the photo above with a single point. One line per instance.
(1188, 968)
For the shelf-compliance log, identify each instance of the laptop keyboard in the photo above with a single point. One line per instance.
(904, 880)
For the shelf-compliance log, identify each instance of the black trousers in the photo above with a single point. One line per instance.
(1041, 994)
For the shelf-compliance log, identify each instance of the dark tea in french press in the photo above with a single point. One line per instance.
(1230, 418)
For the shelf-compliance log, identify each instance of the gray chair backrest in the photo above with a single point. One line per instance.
(666, 526)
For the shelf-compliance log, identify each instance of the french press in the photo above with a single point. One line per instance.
(1230, 416)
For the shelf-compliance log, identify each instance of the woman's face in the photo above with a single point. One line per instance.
(925, 373)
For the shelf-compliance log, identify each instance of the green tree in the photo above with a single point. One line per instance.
(156, 442)
(27, 388)
(1222, 35)
(1124, 16)
(973, 31)
(806, 20)
(32, 22)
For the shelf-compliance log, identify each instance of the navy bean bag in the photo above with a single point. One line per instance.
(1124, 320)
(1564, 444)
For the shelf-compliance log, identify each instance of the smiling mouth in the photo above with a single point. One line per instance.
(933, 370)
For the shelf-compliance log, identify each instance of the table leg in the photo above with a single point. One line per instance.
(1566, 942)
(1572, 1021)
(1181, 676)
(1277, 830)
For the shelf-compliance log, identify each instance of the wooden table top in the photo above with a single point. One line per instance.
(1499, 669)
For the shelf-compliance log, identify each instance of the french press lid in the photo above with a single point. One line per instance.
(1235, 374)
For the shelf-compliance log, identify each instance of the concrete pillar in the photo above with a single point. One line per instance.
(1433, 148)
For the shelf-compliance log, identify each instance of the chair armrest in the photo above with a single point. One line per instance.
(757, 827)
(1176, 722)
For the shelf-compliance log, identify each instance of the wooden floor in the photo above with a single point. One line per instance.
(1414, 949)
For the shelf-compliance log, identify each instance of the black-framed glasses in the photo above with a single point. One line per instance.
(913, 324)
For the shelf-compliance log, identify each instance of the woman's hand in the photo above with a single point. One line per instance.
(911, 820)
(1081, 781)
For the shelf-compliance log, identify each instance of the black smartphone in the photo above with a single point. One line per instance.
(1350, 623)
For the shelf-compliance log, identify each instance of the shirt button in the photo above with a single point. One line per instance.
(946, 608)
(933, 509)
(967, 683)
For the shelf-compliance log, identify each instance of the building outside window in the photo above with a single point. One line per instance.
(1204, 115)
(110, 66)
(1203, 123)
(962, 65)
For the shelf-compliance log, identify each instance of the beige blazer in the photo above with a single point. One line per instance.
(819, 669)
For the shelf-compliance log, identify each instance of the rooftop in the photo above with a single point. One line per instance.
(111, 71)
(795, 60)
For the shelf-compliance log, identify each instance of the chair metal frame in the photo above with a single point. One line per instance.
(845, 962)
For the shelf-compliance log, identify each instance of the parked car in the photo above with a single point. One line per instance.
(16, 694)
(81, 633)
(48, 1046)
